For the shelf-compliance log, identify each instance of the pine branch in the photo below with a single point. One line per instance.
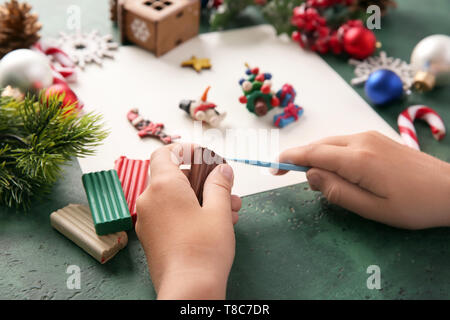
(276, 12)
(227, 11)
(37, 137)
(279, 13)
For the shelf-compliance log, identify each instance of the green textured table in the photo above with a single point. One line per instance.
(290, 242)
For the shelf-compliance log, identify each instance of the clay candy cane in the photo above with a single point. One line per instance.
(406, 126)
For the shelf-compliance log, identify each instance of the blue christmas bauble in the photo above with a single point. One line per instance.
(383, 86)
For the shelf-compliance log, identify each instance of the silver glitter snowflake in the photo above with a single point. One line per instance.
(84, 48)
(140, 30)
(364, 68)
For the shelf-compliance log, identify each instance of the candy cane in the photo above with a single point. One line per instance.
(408, 132)
(64, 68)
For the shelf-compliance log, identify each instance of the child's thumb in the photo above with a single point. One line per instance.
(217, 188)
(326, 182)
(342, 192)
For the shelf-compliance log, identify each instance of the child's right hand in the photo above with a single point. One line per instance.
(378, 178)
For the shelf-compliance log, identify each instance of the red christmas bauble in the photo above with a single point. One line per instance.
(59, 89)
(359, 42)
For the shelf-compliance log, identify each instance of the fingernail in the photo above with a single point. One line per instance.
(314, 181)
(227, 172)
(274, 171)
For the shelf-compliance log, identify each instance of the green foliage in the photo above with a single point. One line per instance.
(37, 137)
(279, 13)
(228, 10)
(276, 12)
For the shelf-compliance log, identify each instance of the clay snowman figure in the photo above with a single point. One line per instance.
(202, 110)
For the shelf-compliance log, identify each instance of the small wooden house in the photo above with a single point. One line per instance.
(158, 25)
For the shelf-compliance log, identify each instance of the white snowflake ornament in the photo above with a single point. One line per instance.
(140, 30)
(364, 68)
(84, 48)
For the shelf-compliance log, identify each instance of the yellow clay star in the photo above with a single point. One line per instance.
(197, 64)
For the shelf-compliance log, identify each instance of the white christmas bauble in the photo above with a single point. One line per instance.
(26, 70)
(431, 56)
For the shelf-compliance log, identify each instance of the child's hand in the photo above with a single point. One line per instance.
(189, 248)
(378, 178)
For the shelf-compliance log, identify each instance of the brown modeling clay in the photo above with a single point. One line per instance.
(204, 161)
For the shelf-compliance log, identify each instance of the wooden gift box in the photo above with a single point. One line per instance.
(158, 25)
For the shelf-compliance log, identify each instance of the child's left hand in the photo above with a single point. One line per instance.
(190, 248)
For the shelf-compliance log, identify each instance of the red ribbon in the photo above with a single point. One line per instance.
(64, 69)
(287, 88)
(290, 111)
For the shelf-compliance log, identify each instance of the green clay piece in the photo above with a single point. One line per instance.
(252, 97)
(107, 202)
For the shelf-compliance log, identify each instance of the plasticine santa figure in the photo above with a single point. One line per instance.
(146, 128)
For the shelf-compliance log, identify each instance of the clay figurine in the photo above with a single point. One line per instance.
(258, 95)
(290, 114)
(260, 99)
(149, 129)
(197, 64)
(202, 110)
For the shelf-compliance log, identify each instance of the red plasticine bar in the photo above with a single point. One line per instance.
(133, 175)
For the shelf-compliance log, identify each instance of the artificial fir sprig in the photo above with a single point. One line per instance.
(278, 13)
(227, 11)
(38, 136)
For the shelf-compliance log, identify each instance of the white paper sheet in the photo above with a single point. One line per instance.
(136, 79)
